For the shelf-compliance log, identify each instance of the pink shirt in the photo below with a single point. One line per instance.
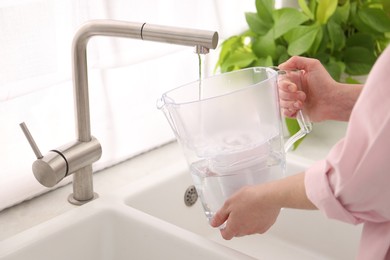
(353, 183)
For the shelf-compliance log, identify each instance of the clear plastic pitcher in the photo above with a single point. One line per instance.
(230, 129)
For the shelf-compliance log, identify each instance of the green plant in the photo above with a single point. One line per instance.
(347, 36)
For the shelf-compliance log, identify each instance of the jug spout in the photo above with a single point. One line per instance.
(161, 105)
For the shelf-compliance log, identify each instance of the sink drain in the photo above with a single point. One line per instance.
(190, 196)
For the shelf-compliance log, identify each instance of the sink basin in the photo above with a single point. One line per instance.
(148, 219)
(105, 230)
(297, 234)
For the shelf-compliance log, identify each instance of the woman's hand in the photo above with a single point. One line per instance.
(247, 212)
(254, 209)
(317, 95)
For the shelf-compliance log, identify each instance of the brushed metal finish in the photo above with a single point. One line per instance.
(83, 185)
(50, 169)
(59, 163)
(80, 154)
(30, 139)
(181, 36)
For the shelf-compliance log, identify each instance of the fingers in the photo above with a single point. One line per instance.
(291, 99)
(227, 231)
(219, 218)
(291, 112)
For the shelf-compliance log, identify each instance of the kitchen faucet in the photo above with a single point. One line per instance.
(77, 157)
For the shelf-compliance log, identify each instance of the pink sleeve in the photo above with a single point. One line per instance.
(353, 182)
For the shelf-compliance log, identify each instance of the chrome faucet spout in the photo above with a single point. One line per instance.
(201, 39)
(77, 157)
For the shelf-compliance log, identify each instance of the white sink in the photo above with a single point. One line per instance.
(296, 234)
(106, 230)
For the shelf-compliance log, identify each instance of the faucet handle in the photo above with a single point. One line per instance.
(59, 163)
(49, 169)
(30, 139)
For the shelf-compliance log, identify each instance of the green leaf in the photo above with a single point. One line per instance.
(358, 23)
(351, 80)
(227, 47)
(256, 24)
(312, 5)
(336, 36)
(238, 59)
(335, 69)
(323, 45)
(305, 9)
(318, 41)
(301, 39)
(264, 46)
(282, 58)
(364, 40)
(287, 19)
(341, 15)
(342, 12)
(381, 44)
(281, 54)
(325, 10)
(375, 18)
(322, 57)
(264, 62)
(264, 10)
(386, 6)
(358, 60)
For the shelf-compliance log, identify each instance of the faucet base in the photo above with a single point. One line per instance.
(73, 201)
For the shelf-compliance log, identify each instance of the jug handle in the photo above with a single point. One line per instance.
(303, 119)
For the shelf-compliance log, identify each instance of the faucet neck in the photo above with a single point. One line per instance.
(80, 67)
